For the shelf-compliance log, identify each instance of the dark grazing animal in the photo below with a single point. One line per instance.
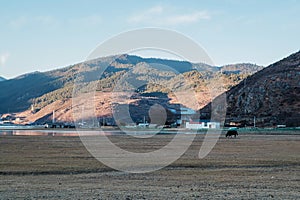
(231, 133)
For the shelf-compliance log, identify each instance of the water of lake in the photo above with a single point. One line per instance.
(52, 133)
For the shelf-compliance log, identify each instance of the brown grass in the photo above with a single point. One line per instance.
(250, 167)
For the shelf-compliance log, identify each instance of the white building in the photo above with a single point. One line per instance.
(202, 125)
(186, 114)
(143, 125)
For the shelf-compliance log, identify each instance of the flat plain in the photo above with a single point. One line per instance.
(252, 166)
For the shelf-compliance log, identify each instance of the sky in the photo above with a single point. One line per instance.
(43, 35)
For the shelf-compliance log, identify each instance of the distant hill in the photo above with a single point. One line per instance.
(270, 97)
(2, 79)
(39, 90)
(241, 68)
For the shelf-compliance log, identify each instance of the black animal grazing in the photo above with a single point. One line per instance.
(232, 133)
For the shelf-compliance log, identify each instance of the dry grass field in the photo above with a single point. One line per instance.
(253, 166)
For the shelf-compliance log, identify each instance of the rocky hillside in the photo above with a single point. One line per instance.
(270, 97)
(34, 96)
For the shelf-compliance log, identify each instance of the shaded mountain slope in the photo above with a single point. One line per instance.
(270, 96)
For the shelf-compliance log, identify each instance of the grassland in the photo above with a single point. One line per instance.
(253, 166)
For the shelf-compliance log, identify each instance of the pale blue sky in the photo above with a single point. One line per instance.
(41, 35)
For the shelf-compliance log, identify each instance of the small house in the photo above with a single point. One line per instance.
(202, 125)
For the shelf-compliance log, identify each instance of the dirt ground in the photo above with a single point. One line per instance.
(249, 167)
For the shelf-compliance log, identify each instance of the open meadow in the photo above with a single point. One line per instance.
(252, 166)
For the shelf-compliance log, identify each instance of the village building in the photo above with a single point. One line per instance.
(202, 125)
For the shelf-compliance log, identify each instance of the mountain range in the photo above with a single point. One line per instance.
(33, 96)
(252, 91)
